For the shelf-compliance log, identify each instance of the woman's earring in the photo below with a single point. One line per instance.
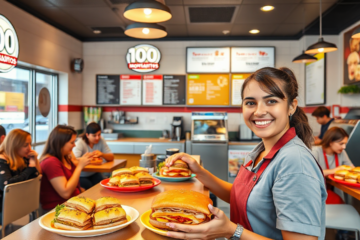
(290, 117)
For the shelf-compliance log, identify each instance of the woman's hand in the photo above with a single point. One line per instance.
(193, 164)
(32, 158)
(220, 226)
(97, 154)
(85, 160)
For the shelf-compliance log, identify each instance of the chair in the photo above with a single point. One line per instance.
(20, 199)
(343, 217)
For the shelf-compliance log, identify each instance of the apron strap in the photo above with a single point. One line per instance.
(327, 163)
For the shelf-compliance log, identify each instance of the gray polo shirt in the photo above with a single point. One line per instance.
(81, 148)
(319, 156)
(290, 194)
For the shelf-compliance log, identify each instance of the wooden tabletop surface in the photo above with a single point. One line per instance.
(154, 140)
(141, 201)
(355, 192)
(106, 167)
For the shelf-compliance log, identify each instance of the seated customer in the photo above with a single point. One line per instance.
(18, 162)
(331, 155)
(2, 134)
(322, 115)
(60, 175)
(92, 142)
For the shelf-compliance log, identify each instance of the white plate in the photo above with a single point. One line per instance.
(45, 223)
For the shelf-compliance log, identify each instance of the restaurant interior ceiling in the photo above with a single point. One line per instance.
(199, 19)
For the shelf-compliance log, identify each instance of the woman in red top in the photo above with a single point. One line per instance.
(60, 175)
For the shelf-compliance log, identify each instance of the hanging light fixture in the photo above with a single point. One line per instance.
(147, 11)
(321, 46)
(356, 33)
(145, 31)
(304, 58)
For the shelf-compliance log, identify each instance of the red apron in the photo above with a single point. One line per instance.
(332, 198)
(246, 180)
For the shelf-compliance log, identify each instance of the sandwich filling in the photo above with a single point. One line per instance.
(109, 221)
(177, 215)
(145, 181)
(87, 224)
(175, 172)
(106, 206)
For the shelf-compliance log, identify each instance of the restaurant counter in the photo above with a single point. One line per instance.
(141, 201)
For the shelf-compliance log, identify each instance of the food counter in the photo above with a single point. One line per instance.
(141, 201)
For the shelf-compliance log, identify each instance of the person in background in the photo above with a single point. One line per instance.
(92, 142)
(18, 162)
(322, 115)
(2, 134)
(61, 171)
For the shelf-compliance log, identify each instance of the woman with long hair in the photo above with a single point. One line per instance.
(61, 171)
(18, 162)
(92, 142)
(279, 192)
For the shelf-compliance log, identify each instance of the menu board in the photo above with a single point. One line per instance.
(152, 89)
(107, 89)
(174, 90)
(250, 59)
(315, 81)
(130, 86)
(208, 89)
(208, 60)
(237, 80)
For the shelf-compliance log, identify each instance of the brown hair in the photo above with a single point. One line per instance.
(334, 134)
(11, 146)
(321, 111)
(265, 77)
(91, 128)
(58, 137)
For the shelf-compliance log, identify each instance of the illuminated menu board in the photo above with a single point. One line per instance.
(130, 86)
(107, 89)
(250, 59)
(152, 89)
(208, 89)
(237, 80)
(208, 60)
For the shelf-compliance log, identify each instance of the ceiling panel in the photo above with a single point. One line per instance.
(288, 29)
(178, 15)
(309, 12)
(208, 29)
(212, 2)
(94, 16)
(176, 30)
(252, 14)
(243, 29)
(36, 3)
(270, 2)
(173, 2)
(78, 3)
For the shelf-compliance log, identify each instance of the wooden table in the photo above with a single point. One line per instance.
(141, 201)
(355, 192)
(106, 167)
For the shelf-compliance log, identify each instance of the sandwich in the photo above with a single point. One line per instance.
(136, 169)
(96, 161)
(83, 204)
(114, 181)
(122, 171)
(71, 219)
(129, 181)
(178, 169)
(355, 169)
(351, 177)
(109, 217)
(145, 179)
(180, 206)
(106, 202)
(340, 174)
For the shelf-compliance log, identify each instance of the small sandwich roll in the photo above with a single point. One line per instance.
(351, 177)
(129, 181)
(137, 169)
(340, 174)
(114, 181)
(122, 171)
(106, 202)
(145, 179)
(355, 169)
(83, 204)
(109, 218)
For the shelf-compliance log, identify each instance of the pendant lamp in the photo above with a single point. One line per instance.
(304, 58)
(356, 33)
(145, 31)
(321, 46)
(147, 11)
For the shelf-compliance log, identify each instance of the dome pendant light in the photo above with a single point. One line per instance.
(356, 33)
(145, 31)
(321, 46)
(147, 11)
(304, 58)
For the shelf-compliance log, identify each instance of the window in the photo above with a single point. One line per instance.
(28, 100)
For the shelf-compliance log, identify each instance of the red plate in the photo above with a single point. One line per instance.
(357, 185)
(128, 189)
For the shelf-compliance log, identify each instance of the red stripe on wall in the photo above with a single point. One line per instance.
(79, 108)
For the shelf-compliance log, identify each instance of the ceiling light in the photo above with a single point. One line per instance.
(254, 31)
(304, 58)
(267, 8)
(97, 31)
(321, 45)
(147, 11)
(356, 33)
(145, 31)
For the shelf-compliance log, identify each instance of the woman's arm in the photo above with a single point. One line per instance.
(107, 156)
(65, 188)
(6, 177)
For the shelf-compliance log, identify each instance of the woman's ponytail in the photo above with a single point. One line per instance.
(299, 120)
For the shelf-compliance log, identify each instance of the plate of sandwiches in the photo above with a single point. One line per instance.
(178, 172)
(134, 179)
(84, 217)
(176, 206)
(349, 176)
